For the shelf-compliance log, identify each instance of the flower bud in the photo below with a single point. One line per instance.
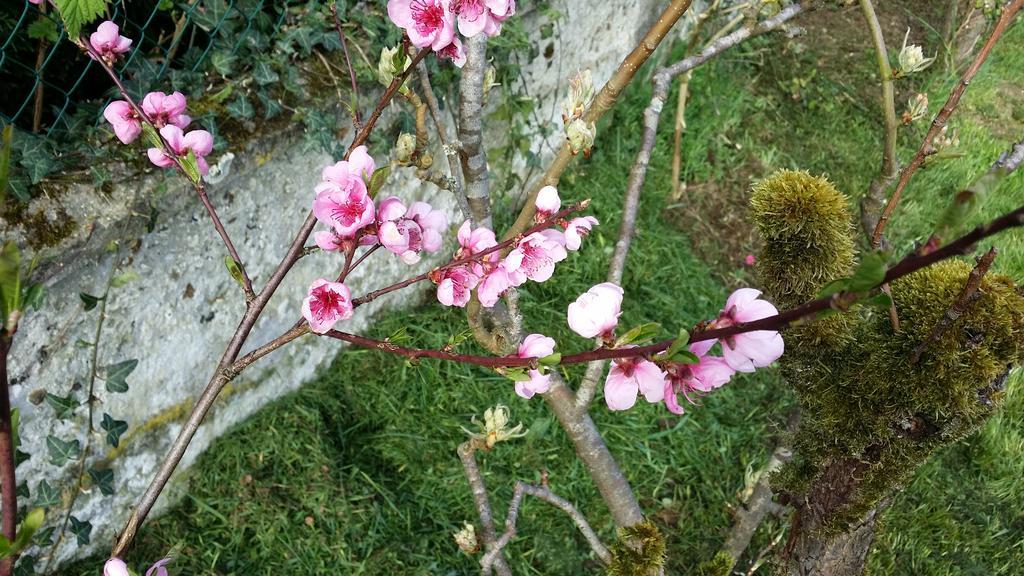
(490, 79)
(946, 139)
(917, 108)
(466, 539)
(405, 147)
(581, 136)
(911, 59)
(495, 428)
(393, 61)
(581, 92)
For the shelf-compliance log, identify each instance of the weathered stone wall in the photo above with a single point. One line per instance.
(178, 314)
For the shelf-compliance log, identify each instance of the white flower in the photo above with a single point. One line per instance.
(911, 58)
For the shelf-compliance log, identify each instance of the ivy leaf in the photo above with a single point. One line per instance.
(117, 375)
(62, 451)
(271, 107)
(223, 62)
(639, 334)
(77, 13)
(63, 406)
(263, 74)
(43, 29)
(26, 566)
(10, 279)
(241, 107)
(44, 537)
(114, 429)
(81, 529)
(46, 495)
(103, 479)
(89, 300)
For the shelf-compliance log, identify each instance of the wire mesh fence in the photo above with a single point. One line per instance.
(46, 77)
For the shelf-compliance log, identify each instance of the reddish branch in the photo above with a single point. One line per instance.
(926, 148)
(8, 484)
(967, 297)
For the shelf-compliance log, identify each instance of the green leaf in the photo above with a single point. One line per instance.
(63, 406)
(10, 280)
(639, 334)
(241, 108)
(152, 136)
(869, 273)
(81, 529)
(117, 375)
(191, 166)
(89, 300)
(103, 479)
(124, 278)
(271, 107)
(34, 295)
(685, 357)
(515, 374)
(223, 62)
(62, 451)
(551, 359)
(44, 537)
(78, 13)
(880, 300)
(114, 429)
(43, 29)
(222, 94)
(677, 345)
(234, 269)
(26, 566)
(377, 181)
(263, 74)
(33, 520)
(46, 495)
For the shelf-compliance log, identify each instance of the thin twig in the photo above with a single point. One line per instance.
(543, 493)
(348, 63)
(967, 296)
(442, 135)
(926, 149)
(8, 481)
(467, 454)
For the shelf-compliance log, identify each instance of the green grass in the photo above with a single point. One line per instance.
(366, 453)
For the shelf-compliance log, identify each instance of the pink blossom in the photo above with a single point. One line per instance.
(359, 164)
(535, 257)
(36, 2)
(747, 351)
(577, 229)
(547, 203)
(124, 120)
(473, 242)
(456, 285)
(409, 232)
(596, 312)
(690, 379)
(427, 22)
(329, 241)
(115, 567)
(749, 260)
(535, 346)
(327, 303)
(454, 52)
(200, 142)
(629, 377)
(164, 109)
(343, 204)
(108, 42)
(476, 16)
(158, 568)
(493, 285)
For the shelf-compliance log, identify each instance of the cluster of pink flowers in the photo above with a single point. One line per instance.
(433, 22)
(595, 314)
(117, 567)
(344, 205)
(165, 112)
(533, 258)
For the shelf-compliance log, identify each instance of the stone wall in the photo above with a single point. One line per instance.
(177, 315)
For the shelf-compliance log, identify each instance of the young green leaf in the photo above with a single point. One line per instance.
(234, 269)
(639, 334)
(10, 280)
(78, 13)
(551, 359)
(33, 296)
(43, 29)
(33, 520)
(678, 344)
(869, 273)
(377, 181)
(117, 375)
(62, 451)
(114, 429)
(191, 166)
(515, 374)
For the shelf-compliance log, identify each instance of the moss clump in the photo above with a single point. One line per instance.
(720, 565)
(639, 551)
(805, 224)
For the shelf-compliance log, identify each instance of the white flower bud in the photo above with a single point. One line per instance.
(911, 59)
(405, 147)
(466, 539)
(393, 61)
(581, 136)
(495, 428)
(581, 92)
(917, 108)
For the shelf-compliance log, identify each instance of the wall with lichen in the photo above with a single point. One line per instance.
(174, 305)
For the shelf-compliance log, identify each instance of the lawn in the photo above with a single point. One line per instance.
(356, 473)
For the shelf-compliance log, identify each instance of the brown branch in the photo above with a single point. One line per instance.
(605, 99)
(223, 373)
(948, 108)
(871, 203)
(967, 297)
(348, 62)
(467, 454)
(543, 493)
(8, 482)
(37, 110)
(454, 182)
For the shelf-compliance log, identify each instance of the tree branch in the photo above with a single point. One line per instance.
(467, 454)
(442, 135)
(348, 62)
(543, 493)
(952, 101)
(472, 154)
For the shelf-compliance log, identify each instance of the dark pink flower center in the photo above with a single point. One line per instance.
(469, 9)
(428, 15)
(349, 211)
(325, 303)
